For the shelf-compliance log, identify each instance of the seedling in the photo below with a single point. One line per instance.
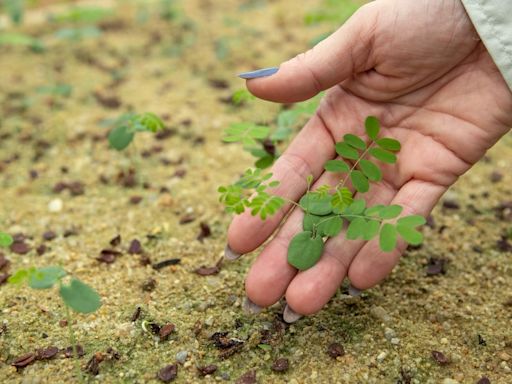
(263, 141)
(76, 295)
(15, 9)
(129, 124)
(5, 240)
(328, 209)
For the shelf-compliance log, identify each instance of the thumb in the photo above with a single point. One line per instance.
(338, 57)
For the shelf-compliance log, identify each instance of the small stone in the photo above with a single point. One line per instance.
(247, 378)
(281, 365)
(47, 353)
(24, 360)
(450, 381)
(55, 205)
(165, 331)
(444, 340)
(496, 177)
(168, 373)
(395, 341)
(389, 334)
(181, 356)
(504, 356)
(335, 350)
(484, 380)
(207, 370)
(440, 358)
(380, 314)
(381, 356)
(49, 235)
(135, 247)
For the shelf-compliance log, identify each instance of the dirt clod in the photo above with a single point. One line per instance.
(247, 378)
(281, 365)
(207, 369)
(24, 360)
(47, 353)
(440, 358)
(335, 350)
(168, 373)
(166, 331)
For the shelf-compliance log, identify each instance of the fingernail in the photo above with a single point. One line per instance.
(251, 308)
(290, 316)
(353, 291)
(229, 254)
(258, 73)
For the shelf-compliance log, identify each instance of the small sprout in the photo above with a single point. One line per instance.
(128, 125)
(328, 209)
(5, 240)
(242, 96)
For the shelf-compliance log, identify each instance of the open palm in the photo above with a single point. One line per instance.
(421, 69)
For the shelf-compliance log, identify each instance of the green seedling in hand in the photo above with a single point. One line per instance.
(75, 294)
(330, 209)
(128, 125)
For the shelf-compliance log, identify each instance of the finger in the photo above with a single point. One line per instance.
(346, 52)
(306, 156)
(371, 265)
(311, 289)
(270, 274)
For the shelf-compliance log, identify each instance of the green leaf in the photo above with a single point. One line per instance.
(411, 221)
(247, 133)
(387, 238)
(354, 141)
(304, 251)
(330, 226)
(356, 228)
(371, 229)
(20, 276)
(150, 122)
(120, 137)
(359, 181)
(46, 277)
(241, 96)
(383, 155)
(346, 151)
(370, 170)
(409, 234)
(5, 240)
(341, 199)
(316, 204)
(374, 210)
(264, 162)
(265, 205)
(309, 221)
(389, 144)
(372, 127)
(356, 208)
(336, 166)
(390, 211)
(80, 297)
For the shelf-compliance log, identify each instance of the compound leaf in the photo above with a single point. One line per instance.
(371, 229)
(341, 199)
(389, 144)
(354, 141)
(383, 155)
(316, 204)
(410, 235)
(411, 221)
(356, 228)
(390, 211)
(265, 205)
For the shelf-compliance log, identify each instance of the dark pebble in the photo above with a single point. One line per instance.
(47, 353)
(108, 256)
(115, 241)
(188, 218)
(450, 204)
(149, 285)
(166, 263)
(496, 177)
(49, 235)
(135, 247)
(180, 173)
(136, 314)
(24, 360)
(134, 200)
(41, 249)
(168, 373)
(110, 102)
(204, 231)
(165, 331)
(335, 350)
(207, 271)
(4, 262)
(247, 378)
(440, 358)
(504, 245)
(207, 370)
(70, 232)
(436, 267)
(281, 365)
(154, 328)
(481, 340)
(20, 247)
(3, 278)
(484, 380)
(69, 352)
(93, 365)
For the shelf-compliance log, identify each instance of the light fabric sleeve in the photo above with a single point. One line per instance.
(493, 22)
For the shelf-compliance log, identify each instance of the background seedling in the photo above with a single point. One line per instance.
(15, 9)
(128, 125)
(5, 240)
(328, 209)
(76, 295)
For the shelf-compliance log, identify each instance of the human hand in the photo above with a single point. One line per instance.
(420, 68)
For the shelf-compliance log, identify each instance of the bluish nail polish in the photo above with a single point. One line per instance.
(229, 254)
(353, 291)
(290, 316)
(250, 307)
(259, 73)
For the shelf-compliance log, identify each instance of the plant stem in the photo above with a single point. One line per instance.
(73, 346)
(343, 182)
